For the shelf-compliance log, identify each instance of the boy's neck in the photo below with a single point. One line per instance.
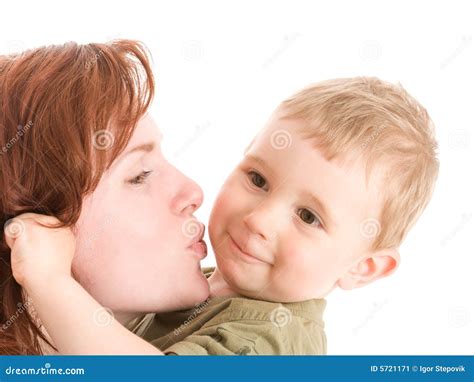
(219, 287)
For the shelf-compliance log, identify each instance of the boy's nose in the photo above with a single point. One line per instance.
(261, 223)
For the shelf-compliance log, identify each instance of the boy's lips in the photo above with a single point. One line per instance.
(248, 257)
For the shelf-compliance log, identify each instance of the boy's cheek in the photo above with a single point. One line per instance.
(220, 217)
(228, 201)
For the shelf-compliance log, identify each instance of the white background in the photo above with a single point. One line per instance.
(222, 67)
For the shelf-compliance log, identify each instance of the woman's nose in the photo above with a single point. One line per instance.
(189, 195)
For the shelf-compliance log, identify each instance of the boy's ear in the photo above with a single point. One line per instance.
(376, 266)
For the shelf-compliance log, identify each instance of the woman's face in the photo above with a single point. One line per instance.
(135, 235)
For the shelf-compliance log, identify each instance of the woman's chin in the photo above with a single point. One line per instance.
(195, 293)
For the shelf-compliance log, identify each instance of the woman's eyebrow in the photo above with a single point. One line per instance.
(144, 147)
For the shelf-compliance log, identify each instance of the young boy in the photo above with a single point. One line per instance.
(322, 199)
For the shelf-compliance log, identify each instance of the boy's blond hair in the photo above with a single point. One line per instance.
(388, 127)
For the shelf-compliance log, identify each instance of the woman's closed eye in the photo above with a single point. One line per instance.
(140, 178)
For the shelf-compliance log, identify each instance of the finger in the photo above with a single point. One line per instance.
(39, 218)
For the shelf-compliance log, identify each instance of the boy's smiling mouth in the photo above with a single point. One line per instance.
(246, 256)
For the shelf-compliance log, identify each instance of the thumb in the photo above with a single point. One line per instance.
(13, 230)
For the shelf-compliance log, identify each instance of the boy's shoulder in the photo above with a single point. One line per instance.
(239, 325)
(227, 309)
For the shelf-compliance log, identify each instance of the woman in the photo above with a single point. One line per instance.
(76, 143)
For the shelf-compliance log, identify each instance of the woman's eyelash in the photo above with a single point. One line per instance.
(139, 179)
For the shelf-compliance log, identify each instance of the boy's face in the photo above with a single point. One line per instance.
(288, 225)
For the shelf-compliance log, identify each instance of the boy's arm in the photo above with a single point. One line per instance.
(41, 260)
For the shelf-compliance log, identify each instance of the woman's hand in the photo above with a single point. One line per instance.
(41, 263)
(39, 252)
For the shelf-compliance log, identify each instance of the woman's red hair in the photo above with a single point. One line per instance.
(66, 112)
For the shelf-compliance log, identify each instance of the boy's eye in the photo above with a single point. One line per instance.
(258, 180)
(308, 217)
(140, 179)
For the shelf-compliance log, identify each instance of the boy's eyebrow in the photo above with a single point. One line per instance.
(261, 162)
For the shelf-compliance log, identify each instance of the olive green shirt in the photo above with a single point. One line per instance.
(238, 325)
